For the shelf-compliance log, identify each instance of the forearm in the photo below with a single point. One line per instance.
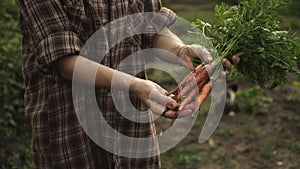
(168, 41)
(106, 77)
(92, 73)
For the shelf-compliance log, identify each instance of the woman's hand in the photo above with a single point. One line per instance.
(187, 53)
(155, 98)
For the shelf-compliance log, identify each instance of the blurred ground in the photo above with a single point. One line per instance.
(265, 135)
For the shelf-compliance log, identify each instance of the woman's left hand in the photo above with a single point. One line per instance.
(187, 53)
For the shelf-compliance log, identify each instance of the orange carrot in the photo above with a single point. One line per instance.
(183, 83)
(193, 93)
(202, 83)
(189, 98)
(199, 68)
(201, 76)
(187, 78)
(186, 89)
(202, 79)
(204, 93)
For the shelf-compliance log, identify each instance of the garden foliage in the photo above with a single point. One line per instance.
(14, 130)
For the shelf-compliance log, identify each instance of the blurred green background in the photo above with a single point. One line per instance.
(259, 131)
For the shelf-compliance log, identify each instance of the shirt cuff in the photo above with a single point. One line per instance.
(55, 46)
(164, 18)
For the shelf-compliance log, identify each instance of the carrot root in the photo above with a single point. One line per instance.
(205, 91)
(188, 87)
(192, 95)
(199, 68)
(198, 78)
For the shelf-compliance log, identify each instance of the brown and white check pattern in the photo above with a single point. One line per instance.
(57, 28)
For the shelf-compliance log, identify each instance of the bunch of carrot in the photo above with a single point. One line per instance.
(195, 87)
(252, 30)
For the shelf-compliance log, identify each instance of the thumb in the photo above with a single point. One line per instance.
(200, 52)
(185, 60)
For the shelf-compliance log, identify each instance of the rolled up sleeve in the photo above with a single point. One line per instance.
(50, 30)
(164, 17)
(55, 46)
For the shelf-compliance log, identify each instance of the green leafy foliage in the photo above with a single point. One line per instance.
(11, 83)
(252, 31)
(14, 130)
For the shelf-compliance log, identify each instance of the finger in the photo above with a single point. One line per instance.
(185, 60)
(162, 99)
(199, 68)
(191, 96)
(189, 63)
(187, 78)
(171, 103)
(188, 110)
(223, 74)
(209, 69)
(160, 110)
(185, 90)
(226, 64)
(170, 114)
(201, 52)
(157, 108)
(235, 59)
(185, 112)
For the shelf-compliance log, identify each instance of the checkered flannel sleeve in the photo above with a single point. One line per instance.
(51, 31)
(163, 18)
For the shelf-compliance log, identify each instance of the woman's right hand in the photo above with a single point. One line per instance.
(155, 98)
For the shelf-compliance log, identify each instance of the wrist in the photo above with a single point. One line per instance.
(179, 50)
(134, 85)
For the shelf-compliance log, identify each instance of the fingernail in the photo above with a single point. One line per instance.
(209, 58)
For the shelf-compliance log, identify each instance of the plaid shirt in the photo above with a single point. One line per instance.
(57, 28)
